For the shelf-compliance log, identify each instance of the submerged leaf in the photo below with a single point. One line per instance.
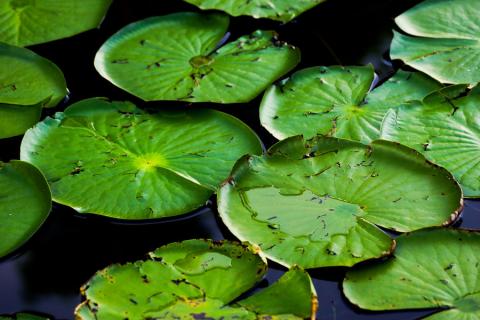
(23, 316)
(337, 101)
(25, 203)
(113, 159)
(180, 57)
(316, 202)
(28, 82)
(281, 10)
(162, 288)
(28, 22)
(436, 268)
(445, 127)
(447, 46)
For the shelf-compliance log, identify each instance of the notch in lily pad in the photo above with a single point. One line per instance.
(445, 128)
(280, 10)
(320, 202)
(25, 202)
(181, 57)
(337, 101)
(29, 22)
(28, 83)
(443, 40)
(113, 159)
(436, 268)
(200, 279)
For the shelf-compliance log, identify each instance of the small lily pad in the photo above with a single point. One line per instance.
(180, 57)
(28, 82)
(113, 159)
(25, 203)
(447, 42)
(280, 10)
(445, 128)
(165, 287)
(436, 268)
(337, 101)
(28, 22)
(318, 202)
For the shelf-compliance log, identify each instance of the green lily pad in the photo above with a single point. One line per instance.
(25, 203)
(23, 316)
(447, 46)
(196, 279)
(337, 101)
(280, 10)
(28, 22)
(28, 82)
(445, 128)
(436, 268)
(317, 202)
(113, 159)
(175, 57)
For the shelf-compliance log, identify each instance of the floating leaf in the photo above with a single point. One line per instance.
(316, 202)
(175, 57)
(116, 160)
(280, 10)
(447, 43)
(23, 316)
(445, 127)
(28, 22)
(436, 268)
(25, 203)
(336, 101)
(172, 286)
(28, 82)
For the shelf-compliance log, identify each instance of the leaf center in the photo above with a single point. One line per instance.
(200, 61)
(469, 303)
(149, 162)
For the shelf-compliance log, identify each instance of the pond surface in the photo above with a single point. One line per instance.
(45, 275)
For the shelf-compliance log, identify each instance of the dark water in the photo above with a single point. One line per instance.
(44, 276)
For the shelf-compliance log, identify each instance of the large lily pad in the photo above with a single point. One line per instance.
(445, 127)
(316, 202)
(281, 10)
(196, 279)
(431, 269)
(28, 22)
(448, 44)
(337, 101)
(25, 203)
(113, 159)
(28, 82)
(175, 57)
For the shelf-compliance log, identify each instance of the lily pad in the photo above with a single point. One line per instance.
(113, 159)
(25, 203)
(445, 127)
(318, 202)
(280, 10)
(180, 57)
(337, 101)
(28, 22)
(447, 42)
(28, 82)
(199, 280)
(431, 269)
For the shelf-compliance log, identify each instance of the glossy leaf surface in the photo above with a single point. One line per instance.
(195, 279)
(281, 10)
(317, 202)
(180, 57)
(445, 127)
(25, 203)
(113, 159)
(431, 269)
(337, 101)
(444, 41)
(28, 22)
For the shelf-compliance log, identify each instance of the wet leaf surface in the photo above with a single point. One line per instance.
(181, 56)
(430, 269)
(316, 203)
